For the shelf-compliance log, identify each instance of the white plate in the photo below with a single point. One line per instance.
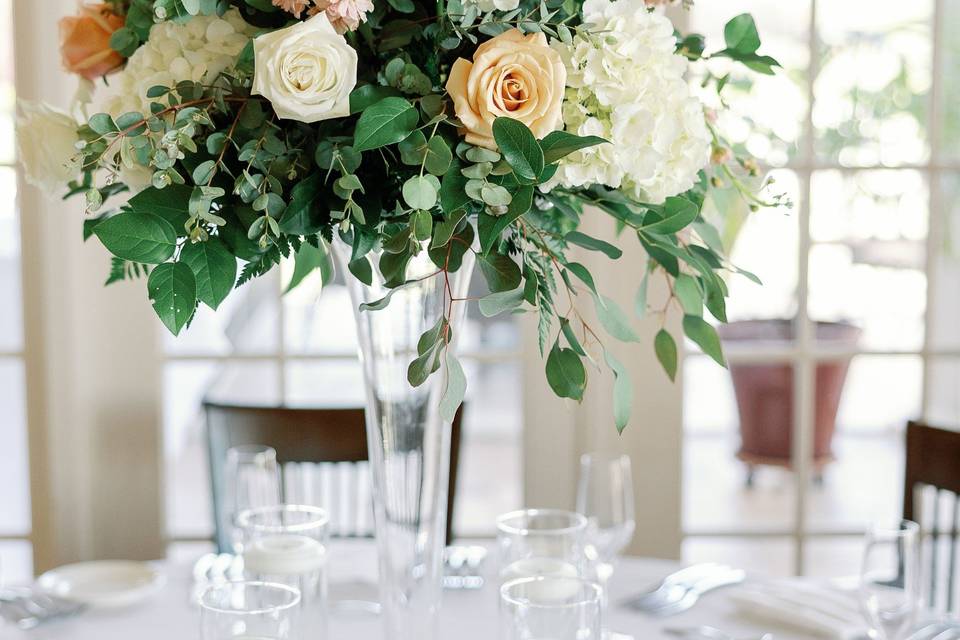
(105, 583)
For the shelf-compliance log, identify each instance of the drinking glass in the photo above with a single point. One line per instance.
(605, 498)
(550, 608)
(541, 542)
(286, 544)
(890, 579)
(249, 611)
(251, 479)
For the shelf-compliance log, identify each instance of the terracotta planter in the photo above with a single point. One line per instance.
(765, 391)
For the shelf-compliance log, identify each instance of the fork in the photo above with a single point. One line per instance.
(674, 586)
(26, 608)
(694, 593)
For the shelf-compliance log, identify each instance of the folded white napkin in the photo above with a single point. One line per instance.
(823, 611)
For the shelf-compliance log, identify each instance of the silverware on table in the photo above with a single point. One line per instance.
(27, 608)
(677, 594)
(462, 567)
(705, 632)
(940, 630)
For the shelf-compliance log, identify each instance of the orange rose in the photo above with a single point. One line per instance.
(85, 41)
(513, 75)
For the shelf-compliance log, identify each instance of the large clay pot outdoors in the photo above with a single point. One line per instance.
(765, 391)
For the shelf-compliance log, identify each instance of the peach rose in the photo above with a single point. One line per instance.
(513, 75)
(85, 41)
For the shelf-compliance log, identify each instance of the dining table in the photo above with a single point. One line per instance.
(171, 613)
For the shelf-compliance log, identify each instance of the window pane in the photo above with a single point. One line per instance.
(766, 244)
(7, 99)
(248, 322)
(871, 93)
(186, 385)
(716, 492)
(319, 322)
(11, 310)
(16, 562)
(945, 303)
(943, 401)
(772, 557)
(14, 473)
(950, 79)
(863, 449)
(766, 112)
(328, 383)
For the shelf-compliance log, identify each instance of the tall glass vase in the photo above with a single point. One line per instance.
(409, 442)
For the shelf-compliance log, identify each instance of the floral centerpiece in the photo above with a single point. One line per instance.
(235, 133)
(411, 139)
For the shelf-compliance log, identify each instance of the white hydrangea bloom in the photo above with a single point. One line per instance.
(625, 83)
(196, 50)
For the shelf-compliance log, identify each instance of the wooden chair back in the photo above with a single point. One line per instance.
(322, 453)
(933, 466)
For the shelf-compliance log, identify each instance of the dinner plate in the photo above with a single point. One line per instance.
(104, 583)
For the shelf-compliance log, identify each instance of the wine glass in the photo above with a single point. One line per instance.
(251, 480)
(890, 579)
(605, 498)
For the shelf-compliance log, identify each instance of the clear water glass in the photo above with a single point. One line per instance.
(605, 498)
(541, 542)
(250, 611)
(550, 608)
(890, 580)
(251, 480)
(287, 544)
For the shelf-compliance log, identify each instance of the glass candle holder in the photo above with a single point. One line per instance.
(541, 542)
(286, 544)
(550, 608)
(249, 611)
(251, 479)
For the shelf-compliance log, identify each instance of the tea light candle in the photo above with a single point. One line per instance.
(284, 554)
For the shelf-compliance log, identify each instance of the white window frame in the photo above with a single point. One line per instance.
(805, 354)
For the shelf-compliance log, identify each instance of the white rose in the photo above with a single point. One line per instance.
(46, 146)
(306, 71)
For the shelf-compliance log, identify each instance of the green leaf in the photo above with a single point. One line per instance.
(425, 364)
(500, 271)
(214, 268)
(419, 192)
(455, 389)
(369, 94)
(741, 35)
(622, 391)
(565, 372)
(102, 123)
(583, 275)
(382, 303)
(362, 270)
(170, 203)
(666, 349)
(403, 6)
(495, 225)
(519, 148)
(439, 157)
(571, 337)
(640, 302)
(301, 215)
(705, 336)
(204, 172)
(501, 301)
(453, 195)
(173, 291)
(495, 195)
(688, 293)
(559, 144)
(138, 237)
(307, 259)
(386, 122)
(443, 231)
(432, 336)
(422, 225)
(678, 214)
(593, 244)
(614, 320)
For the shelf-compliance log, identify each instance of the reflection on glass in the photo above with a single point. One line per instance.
(766, 112)
(871, 92)
(890, 580)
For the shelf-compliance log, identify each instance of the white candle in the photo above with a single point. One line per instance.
(284, 555)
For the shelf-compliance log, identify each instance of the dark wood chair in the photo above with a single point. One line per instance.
(933, 460)
(311, 443)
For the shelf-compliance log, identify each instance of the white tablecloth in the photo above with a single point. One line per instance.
(467, 615)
